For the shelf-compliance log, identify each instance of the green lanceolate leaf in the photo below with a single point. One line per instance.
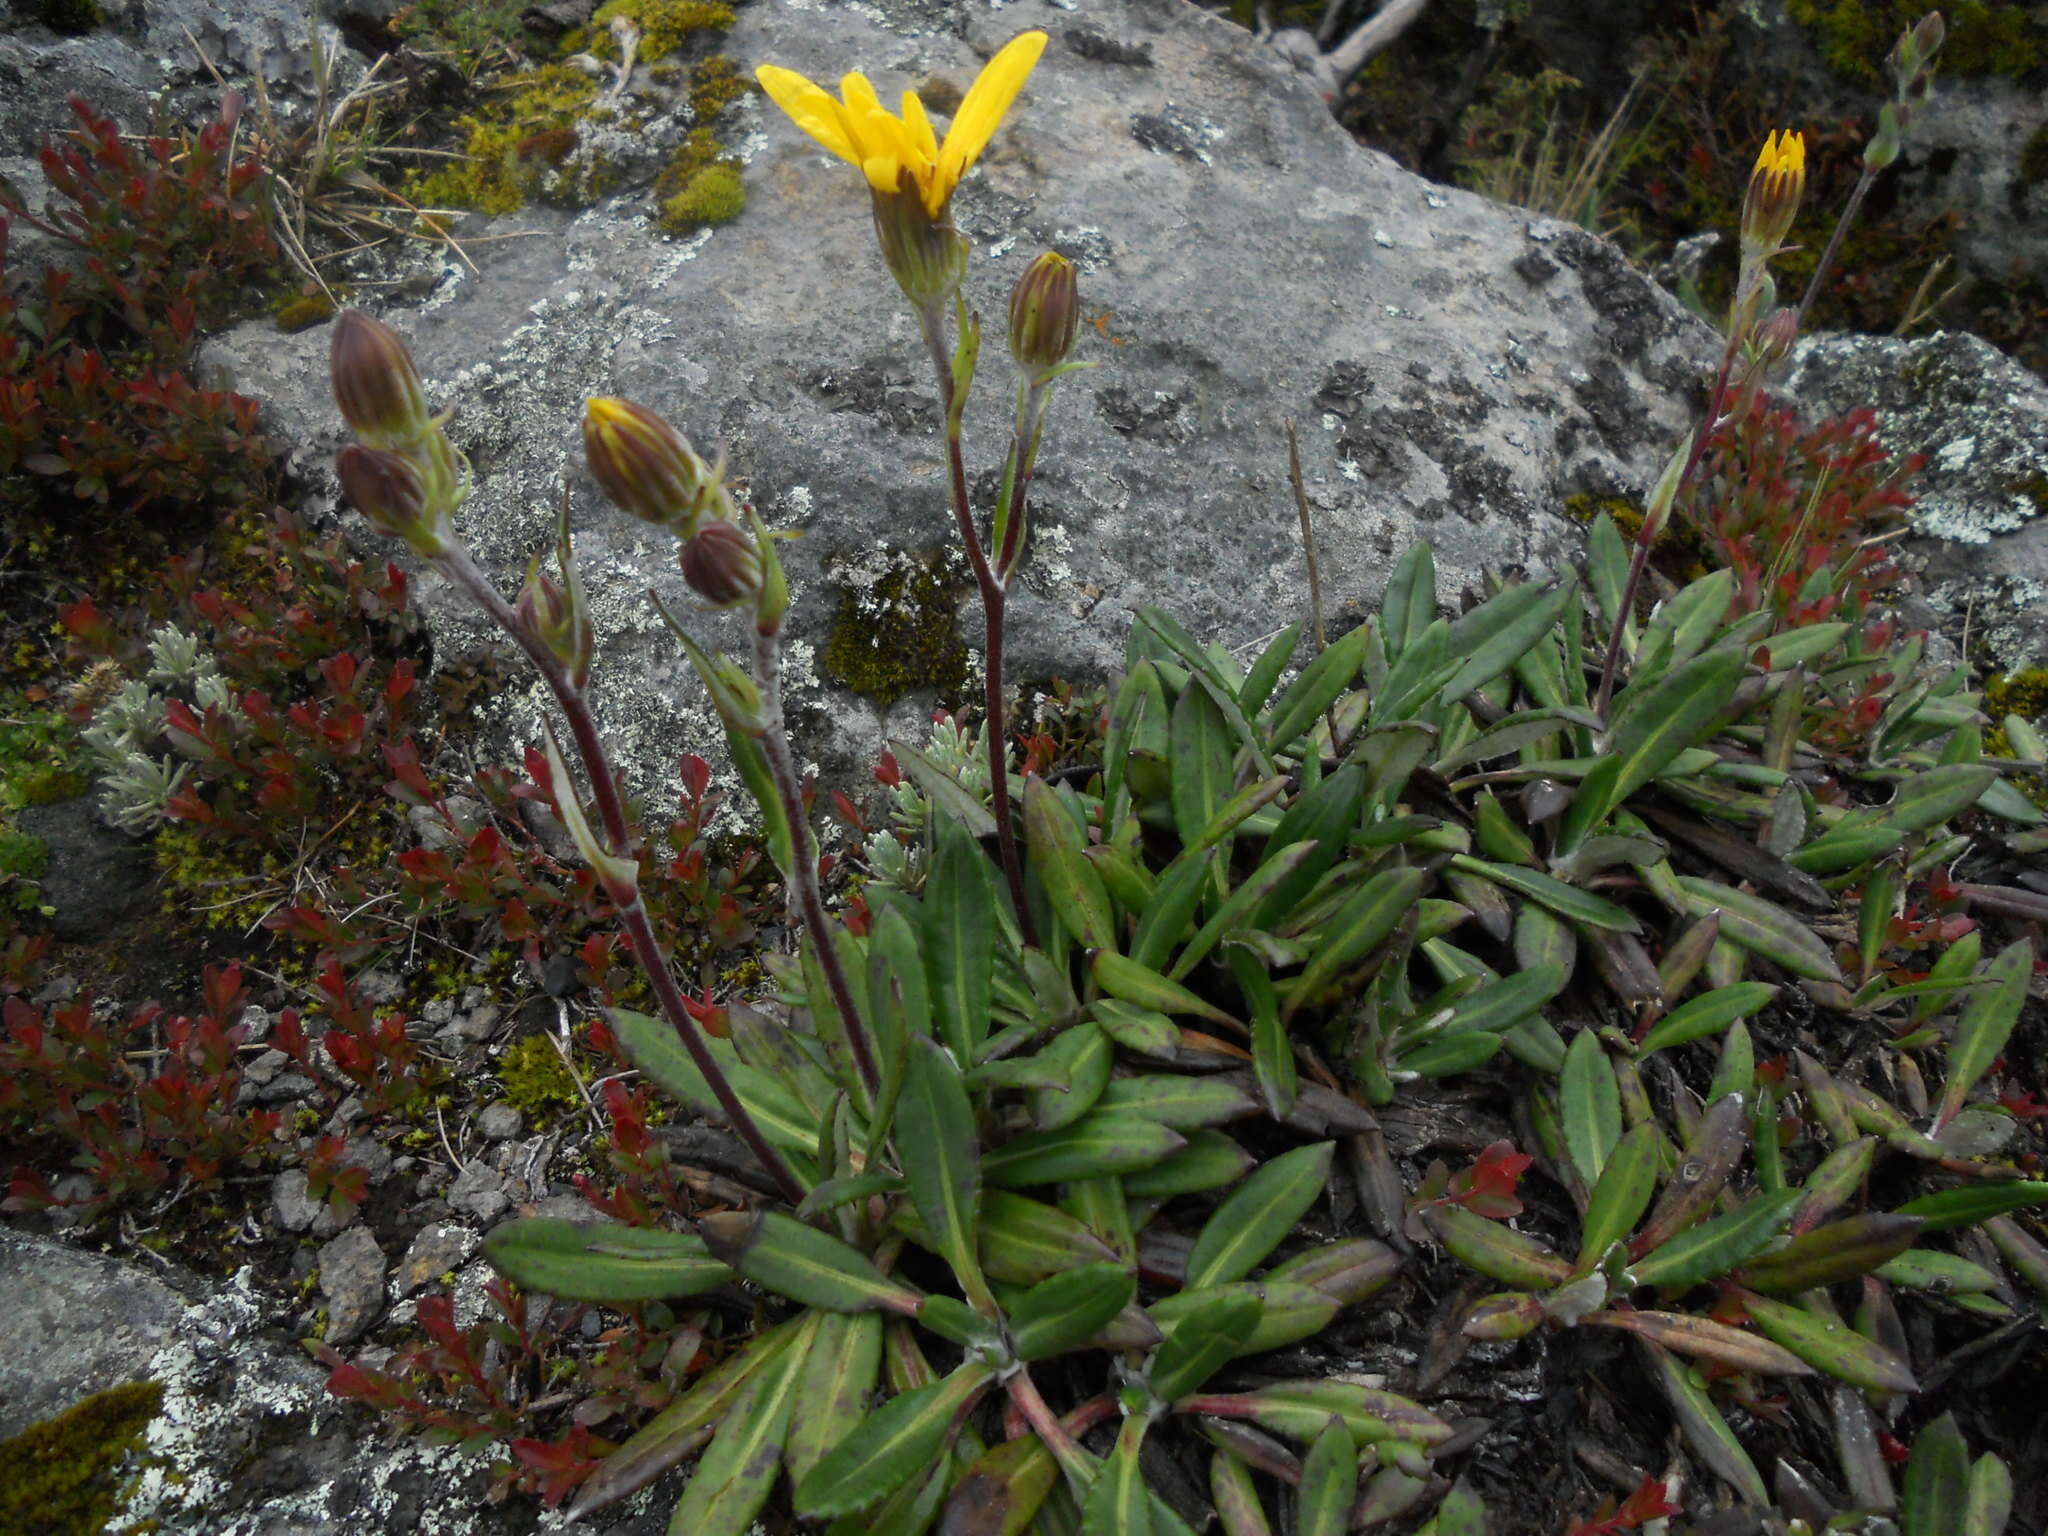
(1067, 1310)
(1323, 815)
(1408, 606)
(1204, 1339)
(1364, 922)
(1937, 1482)
(1965, 1207)
(1086, 1055)
(1236, 1497)
(1235, 911)
(1706, 1339)
(736, 1475)
(1717, 1247)
(892, 1445)
(1707, 1014)
(1565, 900)
(1494, 1250)
(1704, 1428)
(1498, 1006)
(1210, 1160)
(1607, 568)
(1589, 1105)
(602, 1261)
(1319, 685)
(838, 1378)
(942, 787)
(1179, 1101)
(1022, 1241)
(1202, 756)
(1264, 674)
(803, 1264)
(1525, 728)
(1118, 1503)
(1493, 635)
(1675, 713)
(685, 1424)
(656, 1050)
(1126, 980)
(1329, 1483)
(1071, 884)
(939, 1148)
(1988, 1505)
(1099, 1143)
(1423, 667)
(1829, 1346)
(1164, 922)
(1987, 1023)
(1138, 1030)
(1941, 1274)
(1840, 1250)
(1928, 799)
(1764, 928)
(1713, 1149)
(1002, 1492)
(1622, 1193)
(1301, 1410)
(1251, 1223)
(959, 926)
(1289, 1311)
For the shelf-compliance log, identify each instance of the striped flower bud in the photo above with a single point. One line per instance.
(387, 489)
(924, 252)
(375, 383)
(1775, 187)
(646, 467)
(1045, 311)
(722, 565)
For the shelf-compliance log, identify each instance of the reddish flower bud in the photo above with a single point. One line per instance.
(722, 565)
(646, 467)
(561, 620)
(375, 383)
(1045, 310)
(387, 489)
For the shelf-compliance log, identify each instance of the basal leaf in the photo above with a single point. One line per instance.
(1253, 1220)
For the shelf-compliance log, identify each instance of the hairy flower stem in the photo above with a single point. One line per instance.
(455, 563)
(1833, 248)
(1066, 1450)
(952, 400)
(803, 870)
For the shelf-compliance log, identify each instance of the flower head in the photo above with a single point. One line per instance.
(886, 147)
(722, 565)
(1775, 187)
(1045, 311)
(389, 490)
(647, 467)
(375, 383)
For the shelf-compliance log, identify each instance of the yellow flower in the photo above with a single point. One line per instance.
(859, 129)
(1775, 187)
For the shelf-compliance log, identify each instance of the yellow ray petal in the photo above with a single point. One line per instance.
(861, 105)
(810, 107)
(883, 171)
(981, 113)
(920, 127)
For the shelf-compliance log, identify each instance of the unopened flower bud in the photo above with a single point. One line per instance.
(1776, 336)
(561, 621)
(1775, 187)
(927, 256)
(722, 565)
(645, 466)
(375, 383)
(1045, 310)
(387, 489)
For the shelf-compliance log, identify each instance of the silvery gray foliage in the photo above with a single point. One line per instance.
(138, 769)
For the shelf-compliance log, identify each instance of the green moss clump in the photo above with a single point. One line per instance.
(1584, 507)
(665, 25)
(62, 1477)
(711, 196)
(536, 1080)
(516, 141)
(2022, 693)
(295, 312)
(1983, 39)
(715, 84)
(22, 855)
(898, 637)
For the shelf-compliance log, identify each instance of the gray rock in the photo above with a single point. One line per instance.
(500, 1122)
(1981, 518)
(97, 879)
(479, 1191)
(352, 1280)
(76, 1323)
(296, 1210)
(439, 1248)
(1242, 261)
